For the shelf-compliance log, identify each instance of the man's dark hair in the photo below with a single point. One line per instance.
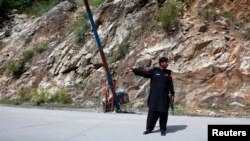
(163, 59)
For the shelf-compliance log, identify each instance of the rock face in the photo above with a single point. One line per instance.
(210, 61)
(240, 7)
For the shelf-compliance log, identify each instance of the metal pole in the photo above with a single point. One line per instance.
(99, 45)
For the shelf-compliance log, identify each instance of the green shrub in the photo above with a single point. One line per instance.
(82, 84)
(15, 67)
(40, 97)
(227, 14)
(25, 95)
(64, 97)
(211, 14)
(208, 14)
(8, 101)
(41, 47)
(78, 2)
(119, 51)
(123, 49)
(80, 37)
(112, 60)
(168, 15)
(39, 7)
(95, 3)
(9, 65)
(20, 5)
(81, 27)
(36, 7)
(27, 54)
(18, 69)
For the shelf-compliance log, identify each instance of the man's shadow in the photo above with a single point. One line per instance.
(173, 128)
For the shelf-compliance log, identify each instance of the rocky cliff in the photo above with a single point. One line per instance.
(209, 58)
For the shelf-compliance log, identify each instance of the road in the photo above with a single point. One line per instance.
(33, 124)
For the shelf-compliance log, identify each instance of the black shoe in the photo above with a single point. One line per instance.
(163, 133)
(147, 132)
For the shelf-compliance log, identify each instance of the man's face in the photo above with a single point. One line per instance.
(164, 64)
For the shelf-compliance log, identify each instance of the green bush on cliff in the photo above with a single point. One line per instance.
(27, 54)
(119, 51)
(35, 7)
(168, 15)
(63, 97)
(15, 67)
(81, 27)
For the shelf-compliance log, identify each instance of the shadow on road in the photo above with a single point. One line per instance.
(175, 128)
(172, 128)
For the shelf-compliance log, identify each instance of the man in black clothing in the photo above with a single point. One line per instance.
(161, 92)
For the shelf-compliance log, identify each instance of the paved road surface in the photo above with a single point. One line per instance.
(23, 124)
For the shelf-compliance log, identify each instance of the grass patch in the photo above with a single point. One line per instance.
(168, 15)
(20, 5)
(25, 95)
(39, 7)
(42, 97)
(227, 14)
(9, 101)
(82, 84)
(93, 3)
(39, 97)
(16, 68)
(39, 48)
(81, 27)
(27, 54)
(208, 14)
(78, 2)
(63, 97)
(96, 3)
(178, 110)
(118, 52)
(123, 49)
(34, 7)
(46, 105)
(211, 14)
